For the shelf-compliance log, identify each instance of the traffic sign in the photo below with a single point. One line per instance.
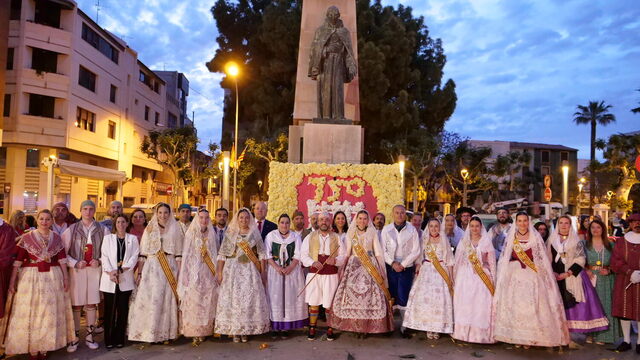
(547, 181)
(547, 194)
(169, 190)
(638, 163)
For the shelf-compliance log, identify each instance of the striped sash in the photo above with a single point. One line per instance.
(517, 248)
(250, 254)
(166, 269)
(371, 269)
(433, 258)
(206, 258)
(477, 268)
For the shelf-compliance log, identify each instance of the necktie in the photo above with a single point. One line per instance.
(260, 225)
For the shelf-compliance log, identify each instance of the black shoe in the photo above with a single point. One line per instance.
(312, 333)
(284, 335)
(120, 346)
(274, 335)
(330, 335)
(624, 346)
(637, 348)
(109, 347)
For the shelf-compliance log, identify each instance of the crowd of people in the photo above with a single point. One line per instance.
(201, 275)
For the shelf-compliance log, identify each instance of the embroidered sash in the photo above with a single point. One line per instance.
(524, 258)
(206, 258)
(166, 269)
(371, 269)
(433, 258)
(477, 268)
(250, 254)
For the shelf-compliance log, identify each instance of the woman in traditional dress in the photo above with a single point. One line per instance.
(41, 319)
(474, 274)
(18, 221)
(198, 285)
(153, 315)
(582, 306)
(527, 302)
(285, 280)
(543, 230)
(451, 231)
(119, 256)
(430, 306)
(583, 226)
(242, 306)
(362, 303)
(599, 250)
(138, 223)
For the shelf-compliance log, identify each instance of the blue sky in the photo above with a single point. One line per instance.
(521, 67)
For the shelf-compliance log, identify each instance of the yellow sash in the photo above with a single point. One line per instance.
(371, 269)
(433, 257)
(250, 254)
(477, 268)
(166, 269)
(517, 247)
(206, 258)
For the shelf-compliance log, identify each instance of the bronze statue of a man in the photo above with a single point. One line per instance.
(332, 64)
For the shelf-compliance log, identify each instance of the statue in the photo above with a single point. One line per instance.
(332, 64)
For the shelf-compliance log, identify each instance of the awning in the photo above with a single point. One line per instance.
(90, 171)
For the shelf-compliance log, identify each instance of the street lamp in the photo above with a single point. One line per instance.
(565, 184)
(232, 69)
(401, 163)
(465, 175)
(225, 179)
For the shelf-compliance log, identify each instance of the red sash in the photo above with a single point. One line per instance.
(514, 257)
(326, 269)
(42, 266)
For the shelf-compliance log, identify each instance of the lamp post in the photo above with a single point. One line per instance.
(51, 162)
(259, 189)
(225, 179)
(232, 70)
(565, 184)
(465, 175)
(580, 186)
(401, 162)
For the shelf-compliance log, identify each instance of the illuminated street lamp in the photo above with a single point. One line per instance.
(225, 179)
(402, 162)
(565, 184)
(232, 70)
(465, 175)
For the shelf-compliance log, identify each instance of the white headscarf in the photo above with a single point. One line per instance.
(232, 236)
(484, 246)
(193, 266)
(170, 242)
(447, 257)
(573, 247)
(370, 236)
(457, 230)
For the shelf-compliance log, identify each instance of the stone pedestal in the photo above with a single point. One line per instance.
(326, 143)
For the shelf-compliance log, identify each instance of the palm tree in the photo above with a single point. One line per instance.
(595, 113)
(636, 110)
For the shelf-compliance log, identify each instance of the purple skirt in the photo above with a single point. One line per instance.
(587, 316)
(288, 325)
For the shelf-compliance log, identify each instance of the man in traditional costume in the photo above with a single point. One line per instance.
(499, 230)
(322, 251)
(625, 263)
(184, 216)
(83, 243)
(115, 208)
(60, 218)
(401, 249)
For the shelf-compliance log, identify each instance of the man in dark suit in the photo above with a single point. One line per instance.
(264, 226)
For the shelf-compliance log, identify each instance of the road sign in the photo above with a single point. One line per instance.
(169, 190)
(547, 194)
(638, 163)
(547, 181)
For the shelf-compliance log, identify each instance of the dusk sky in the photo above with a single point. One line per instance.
(521, 67)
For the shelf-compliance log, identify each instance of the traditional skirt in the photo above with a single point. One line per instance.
(430, 306)
(288, 310)
(359, 304)
(587, 316)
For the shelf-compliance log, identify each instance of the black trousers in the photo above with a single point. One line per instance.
(116, 312)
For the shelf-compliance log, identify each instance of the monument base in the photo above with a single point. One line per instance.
(332, 121)
(326, 143)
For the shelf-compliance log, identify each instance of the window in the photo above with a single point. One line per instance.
(44, 60)
(143, 200)
(91, 36)
(144, 176)
(172, 121)
(41, 105)
(7, 105)
(47, 13)
(144, 78)
(33, 158)
(16, 9)
(156, 87)
(157, 118)
(112, 94)
(111, 133)
(10, 52)
(545, 156)
(146, 113)
(86, 120)
(87, 79)
(3, 157)
(546, 170)
(564, 156)
(128, 201)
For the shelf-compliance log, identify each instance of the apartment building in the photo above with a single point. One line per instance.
(76, 93)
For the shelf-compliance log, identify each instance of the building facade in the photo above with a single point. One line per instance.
(76, 93)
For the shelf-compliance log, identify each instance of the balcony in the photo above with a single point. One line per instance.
(45, 83)
(47, 37)
(36, 130)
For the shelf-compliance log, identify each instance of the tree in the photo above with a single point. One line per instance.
(400, 70)
(476, 161)
(173, 149)
(620, 152)
(510, 164)
(266, 152)
(593, 114)
(636, 110)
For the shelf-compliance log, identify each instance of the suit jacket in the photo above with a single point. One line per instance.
(110, 263)
(267, 227)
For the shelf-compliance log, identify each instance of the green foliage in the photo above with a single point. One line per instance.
(510, 164)
(400, 71)
(596, 113)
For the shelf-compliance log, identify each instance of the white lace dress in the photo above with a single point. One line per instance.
(242, 303)
(430, 306)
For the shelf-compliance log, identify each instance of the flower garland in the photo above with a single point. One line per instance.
(284, 178)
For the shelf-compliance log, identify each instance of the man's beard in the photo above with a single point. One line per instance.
(222, 223)
(323, 228)
(503, 221)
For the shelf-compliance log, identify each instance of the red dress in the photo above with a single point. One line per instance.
(7, 252)
(624, 261)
